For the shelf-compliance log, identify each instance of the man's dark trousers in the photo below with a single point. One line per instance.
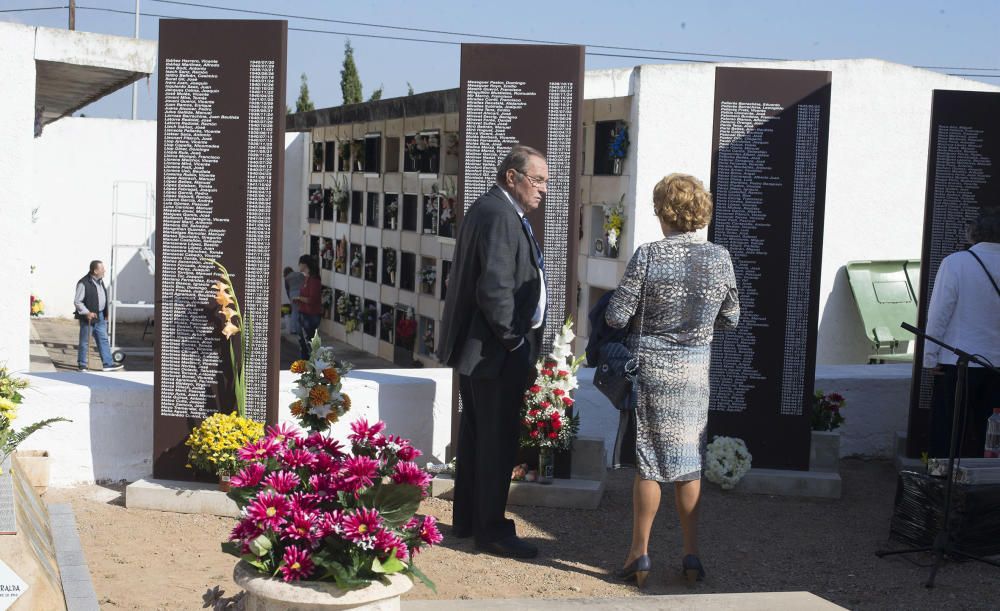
(487, 446)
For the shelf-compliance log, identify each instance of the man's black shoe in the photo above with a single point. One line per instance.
(510, 547)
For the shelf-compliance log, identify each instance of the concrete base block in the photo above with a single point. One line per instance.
(589, 460)
(564, 493)
(791, 483)
(902, 461)
(179, 497)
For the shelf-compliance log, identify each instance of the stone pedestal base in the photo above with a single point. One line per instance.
(263, 594)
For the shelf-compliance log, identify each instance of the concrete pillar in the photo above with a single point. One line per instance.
(17, 109)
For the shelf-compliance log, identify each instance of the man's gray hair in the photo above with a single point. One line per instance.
(517, 160)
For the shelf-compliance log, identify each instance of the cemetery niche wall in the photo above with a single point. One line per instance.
(961, 181)
(769, 154)
(220, 136)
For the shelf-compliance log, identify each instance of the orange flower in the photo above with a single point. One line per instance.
(229, 330)
(222, 294)
(332, 416)
(319, 395)
(300, 366)
(331, 375)
(346, 403)
(297, 409)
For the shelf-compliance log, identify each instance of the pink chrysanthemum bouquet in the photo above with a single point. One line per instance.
(314, 510)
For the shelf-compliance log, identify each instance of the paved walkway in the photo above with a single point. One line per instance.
(756, 601)
(54, 342)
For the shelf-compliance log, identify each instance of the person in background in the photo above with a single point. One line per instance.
(91, 309)
(964, 312)
(293, 284)
(310, 303)
(675, 293)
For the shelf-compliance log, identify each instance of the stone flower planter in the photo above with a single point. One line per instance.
(824, 451)
(264, 594)
(34, 467)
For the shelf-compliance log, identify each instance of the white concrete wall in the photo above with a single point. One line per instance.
(17, 73)
(80, 160)
(879, 134)
(293, 217)
(111, 436)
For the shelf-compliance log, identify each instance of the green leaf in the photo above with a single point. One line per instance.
(15, 438)
(392, 564)
(241, 496)
(377, 566)
(397, 503)
(412, 568)
(345, 580)
(255, 562)
(261, 545)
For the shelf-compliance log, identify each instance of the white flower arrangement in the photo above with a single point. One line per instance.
(727, 460)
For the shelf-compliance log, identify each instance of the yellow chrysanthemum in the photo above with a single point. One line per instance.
(300, 366)
(346, 401)
(331, 375)
(297, 409)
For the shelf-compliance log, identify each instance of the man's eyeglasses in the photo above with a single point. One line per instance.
(535, 182)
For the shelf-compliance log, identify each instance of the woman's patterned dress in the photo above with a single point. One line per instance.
(690, 290)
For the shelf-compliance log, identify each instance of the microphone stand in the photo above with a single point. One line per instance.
(943, 541)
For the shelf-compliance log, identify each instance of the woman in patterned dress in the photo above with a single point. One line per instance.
(679, 291)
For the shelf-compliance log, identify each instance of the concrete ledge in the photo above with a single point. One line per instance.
(791, 483)
(755, 601)
(561, 493)
(77, 586)
(179, 497)
(901, 460)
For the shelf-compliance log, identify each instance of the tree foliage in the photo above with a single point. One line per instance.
(350, 82)
(304, 104)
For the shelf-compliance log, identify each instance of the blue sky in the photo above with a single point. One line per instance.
(915, 32)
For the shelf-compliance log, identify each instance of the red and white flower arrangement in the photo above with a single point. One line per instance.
(314, 510)
(544, 419)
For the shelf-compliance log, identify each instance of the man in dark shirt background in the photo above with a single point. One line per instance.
(91, 309)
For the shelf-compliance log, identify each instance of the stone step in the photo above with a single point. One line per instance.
(179, 497)
(589, 459)
(561, 493)
(783, 482)
(751, 601)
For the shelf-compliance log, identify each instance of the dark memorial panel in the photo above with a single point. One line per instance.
(220, 140)
(961, 181)
(769, 152)
(531, 95)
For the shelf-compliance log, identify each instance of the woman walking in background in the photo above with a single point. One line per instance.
(310, 305)
(675, 292)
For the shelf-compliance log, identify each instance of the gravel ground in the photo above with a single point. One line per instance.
(153, 560)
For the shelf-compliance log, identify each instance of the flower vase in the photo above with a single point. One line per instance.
(264, 593)
(224, 485)
(392, 223)
(546, 465)
(616, 166)
(392, 278)
(613, 250)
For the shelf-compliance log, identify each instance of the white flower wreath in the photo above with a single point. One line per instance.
(727, 460)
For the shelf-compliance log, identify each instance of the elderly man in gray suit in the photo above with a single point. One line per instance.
(492, 331)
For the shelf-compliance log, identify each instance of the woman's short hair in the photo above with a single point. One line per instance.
(987, 226)
(683, 202)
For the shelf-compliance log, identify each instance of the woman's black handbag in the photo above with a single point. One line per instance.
(617, 374)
